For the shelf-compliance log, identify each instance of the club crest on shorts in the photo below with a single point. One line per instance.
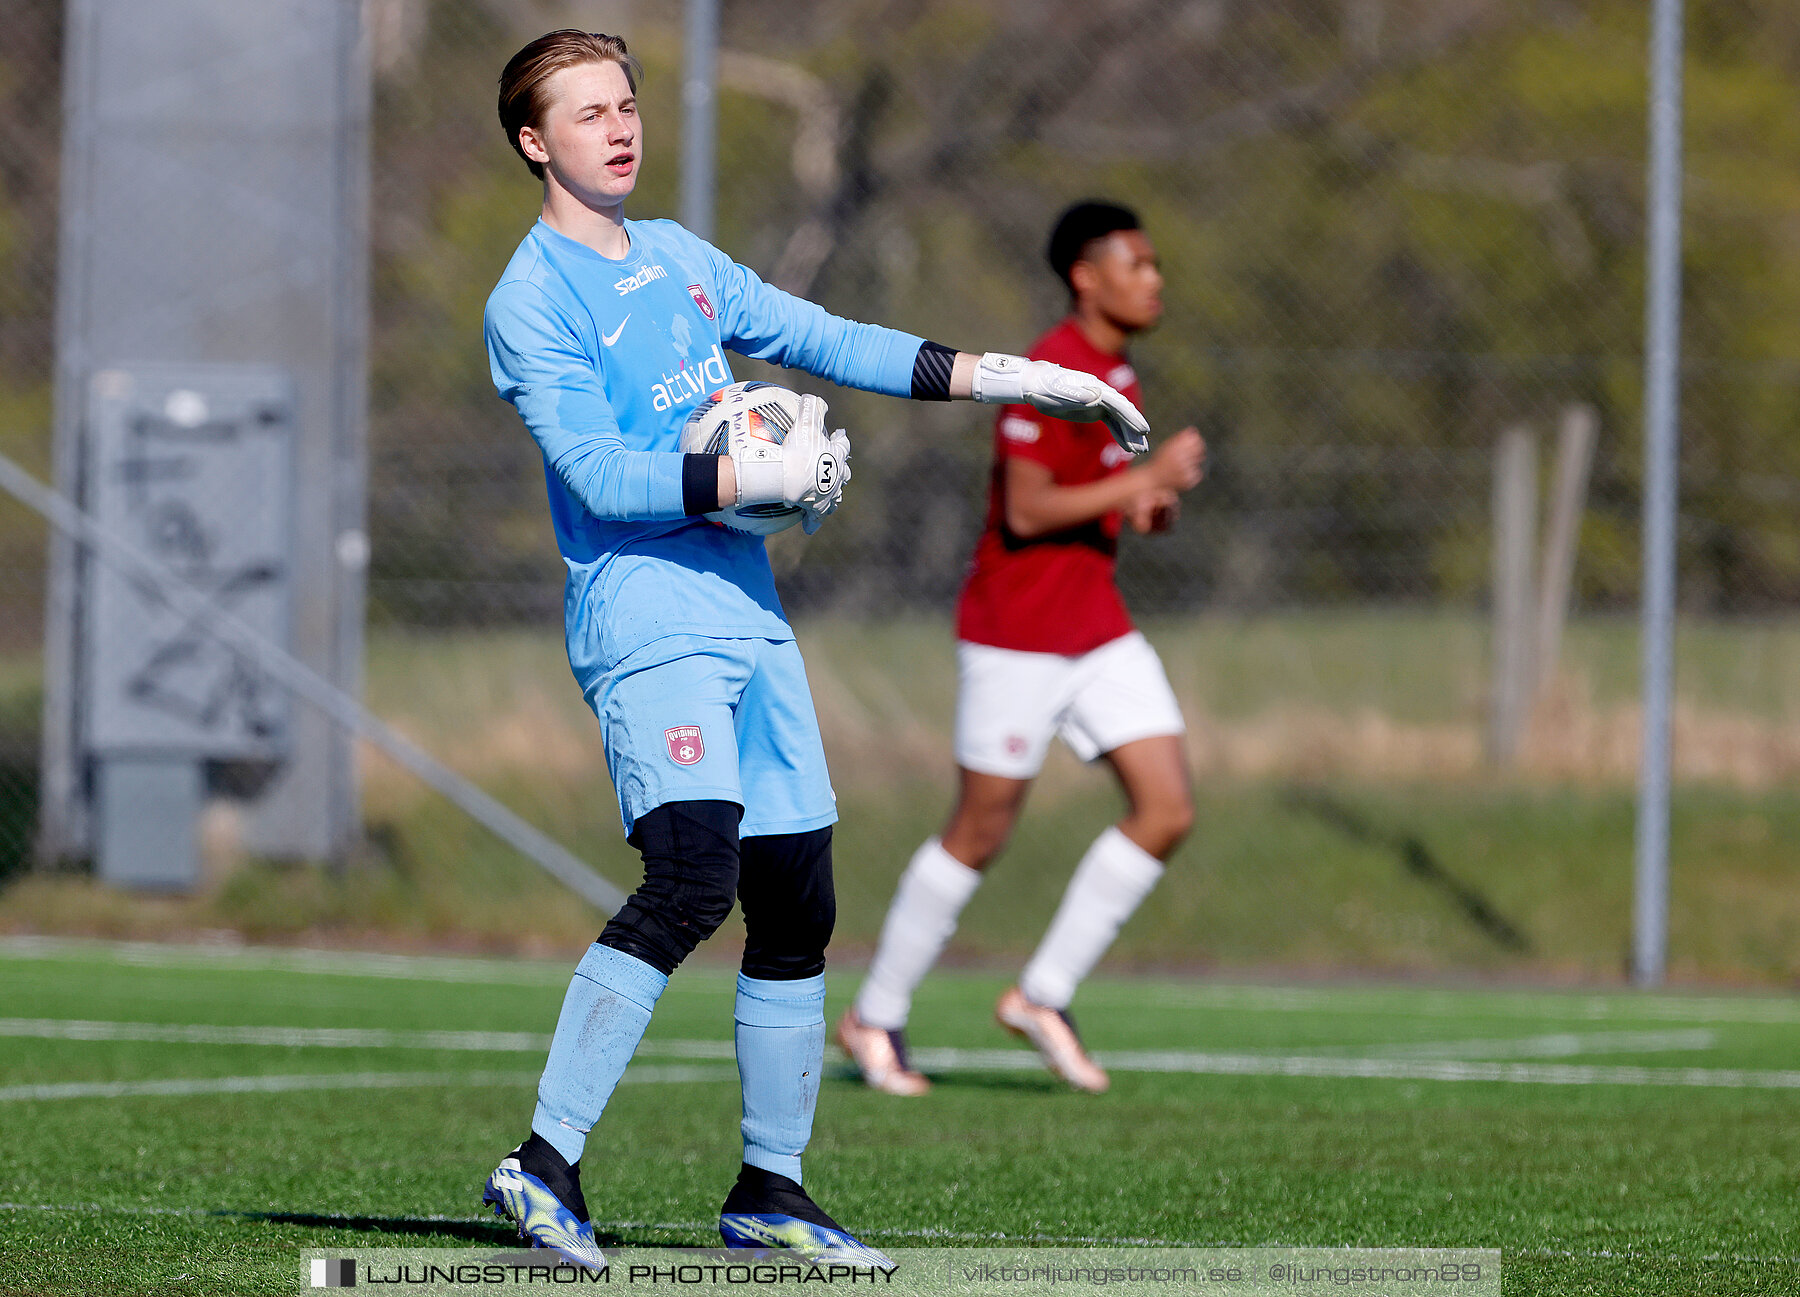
(699, 295)
(685, 744)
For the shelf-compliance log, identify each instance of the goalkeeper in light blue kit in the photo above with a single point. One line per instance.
(605, 334)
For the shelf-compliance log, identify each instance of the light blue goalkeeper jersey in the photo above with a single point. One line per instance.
(604, 360)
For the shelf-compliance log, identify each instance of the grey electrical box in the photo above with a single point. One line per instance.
(192, 465)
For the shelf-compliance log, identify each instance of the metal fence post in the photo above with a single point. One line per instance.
(1662, 363)
(699, 112)
(1515, 539)
(1575, 439)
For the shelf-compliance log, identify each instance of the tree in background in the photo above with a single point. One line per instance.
(1397, 226)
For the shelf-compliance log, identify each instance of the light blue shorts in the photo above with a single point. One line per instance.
(692, 718)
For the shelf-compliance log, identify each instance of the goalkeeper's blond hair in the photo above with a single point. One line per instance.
(523, 93)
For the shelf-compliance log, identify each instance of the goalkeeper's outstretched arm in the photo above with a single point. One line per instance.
(761, 321)
(940, 374)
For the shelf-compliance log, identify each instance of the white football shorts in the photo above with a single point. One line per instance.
(1010, 704)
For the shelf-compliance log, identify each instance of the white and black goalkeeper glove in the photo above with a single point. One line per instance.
(807, 468)
(1061, 393)
(814, 518)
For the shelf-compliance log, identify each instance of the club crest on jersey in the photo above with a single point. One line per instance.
(700, 299)
(685, 744)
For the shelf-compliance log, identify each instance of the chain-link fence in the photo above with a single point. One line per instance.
(1391, 230)
(30, 91)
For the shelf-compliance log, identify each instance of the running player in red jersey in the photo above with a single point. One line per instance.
(1046, 648)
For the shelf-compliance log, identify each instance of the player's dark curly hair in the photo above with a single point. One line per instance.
(523, 96)
(1080, 226)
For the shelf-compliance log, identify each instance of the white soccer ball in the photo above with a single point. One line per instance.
(745, 410)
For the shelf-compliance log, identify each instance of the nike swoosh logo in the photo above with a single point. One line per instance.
(610, 338)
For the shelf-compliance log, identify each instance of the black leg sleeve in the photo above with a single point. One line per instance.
(789, 904)
(690, 852)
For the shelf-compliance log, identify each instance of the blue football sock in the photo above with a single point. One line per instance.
(603, 1018)
(780, 1050)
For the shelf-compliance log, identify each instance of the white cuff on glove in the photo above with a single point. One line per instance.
(760, 480)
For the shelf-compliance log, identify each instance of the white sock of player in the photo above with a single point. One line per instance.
(1111, 881)
(931, 895)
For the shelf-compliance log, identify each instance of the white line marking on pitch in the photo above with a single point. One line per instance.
(952, 1236)
(1124, 992)
(291, 1037)
(528, 1042)
(671, 1226)
(1008, 1060)
(1470, 1004)
(184, 1086)
(1628, 1254)
(1384, 1069)
(1554, 1045)
(348, 963)
(1433, 1061)
(1450, 1070)
(1561, 1044)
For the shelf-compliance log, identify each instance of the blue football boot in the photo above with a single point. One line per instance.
(538, 1191)
(766, 1210)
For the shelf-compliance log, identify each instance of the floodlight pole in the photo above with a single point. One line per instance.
(699, 116)
(1662, 402)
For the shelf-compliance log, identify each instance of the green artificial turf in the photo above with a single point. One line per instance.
(1595, 1183)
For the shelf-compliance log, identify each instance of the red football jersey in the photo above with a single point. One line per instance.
(1053, 593)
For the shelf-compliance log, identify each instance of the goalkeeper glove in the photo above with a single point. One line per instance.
(807, 468)
(814, 517)
(1061, 393)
